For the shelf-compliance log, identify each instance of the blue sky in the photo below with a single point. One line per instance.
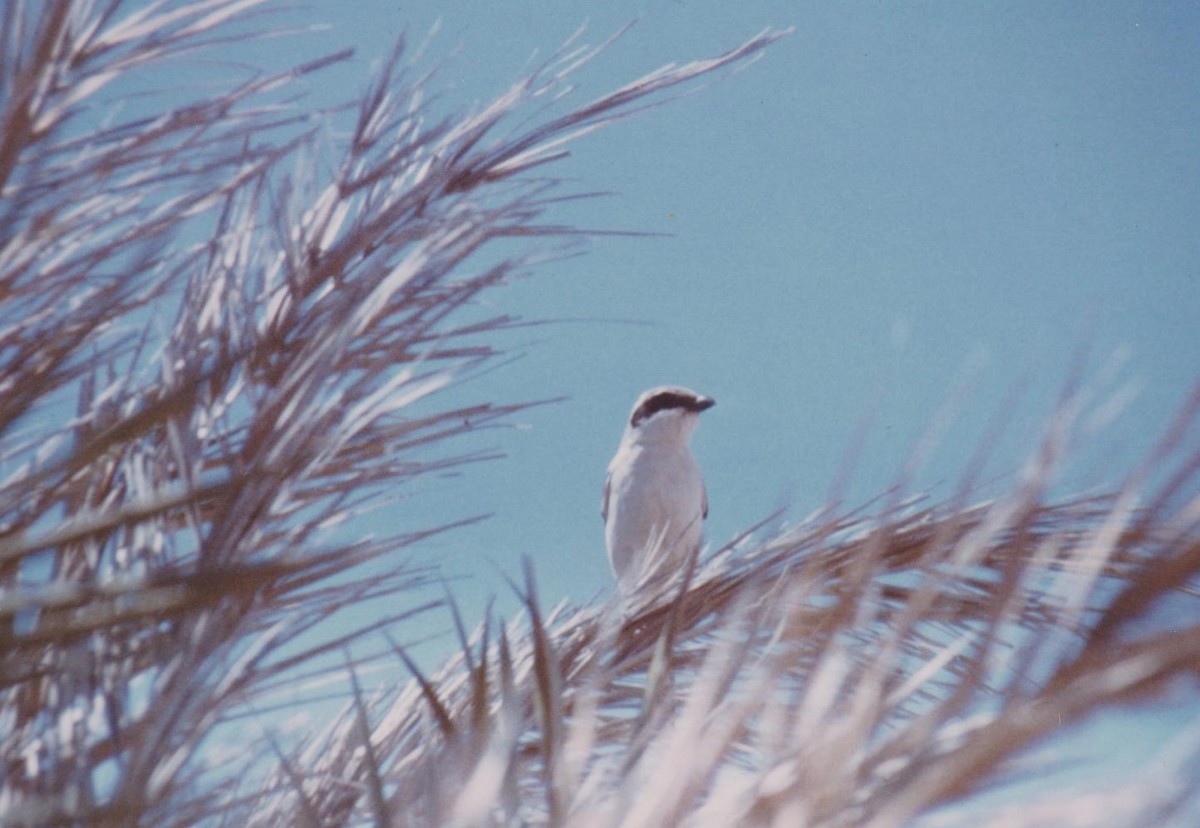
(896, 199)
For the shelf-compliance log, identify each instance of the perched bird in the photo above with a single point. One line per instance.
(654, 502)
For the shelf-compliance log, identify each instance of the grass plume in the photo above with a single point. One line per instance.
(853, 670)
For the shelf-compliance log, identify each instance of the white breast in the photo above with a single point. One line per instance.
(655, 510)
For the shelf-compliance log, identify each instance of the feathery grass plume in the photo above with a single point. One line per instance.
(858, 669)
(207, 364)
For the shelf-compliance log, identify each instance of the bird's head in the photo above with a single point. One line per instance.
(666, 412)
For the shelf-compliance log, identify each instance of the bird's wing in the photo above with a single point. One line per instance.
(704, 500)
(604, 498)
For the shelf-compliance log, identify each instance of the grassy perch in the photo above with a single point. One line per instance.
(853, 670)
(215, 352)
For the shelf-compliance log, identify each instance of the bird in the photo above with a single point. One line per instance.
(655, 502)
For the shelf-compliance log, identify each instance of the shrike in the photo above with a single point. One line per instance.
(654, 502)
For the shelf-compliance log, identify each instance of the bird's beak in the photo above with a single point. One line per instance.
(703, 404)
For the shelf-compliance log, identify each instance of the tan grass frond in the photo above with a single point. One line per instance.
(852, 670)
(215, 355)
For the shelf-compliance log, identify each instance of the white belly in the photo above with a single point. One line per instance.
(655, 513)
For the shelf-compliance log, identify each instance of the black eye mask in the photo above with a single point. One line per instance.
(668, 399)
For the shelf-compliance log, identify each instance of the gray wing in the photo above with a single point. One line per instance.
(604, 498)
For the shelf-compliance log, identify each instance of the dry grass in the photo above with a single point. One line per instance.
(850, 671)
(208, 364)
